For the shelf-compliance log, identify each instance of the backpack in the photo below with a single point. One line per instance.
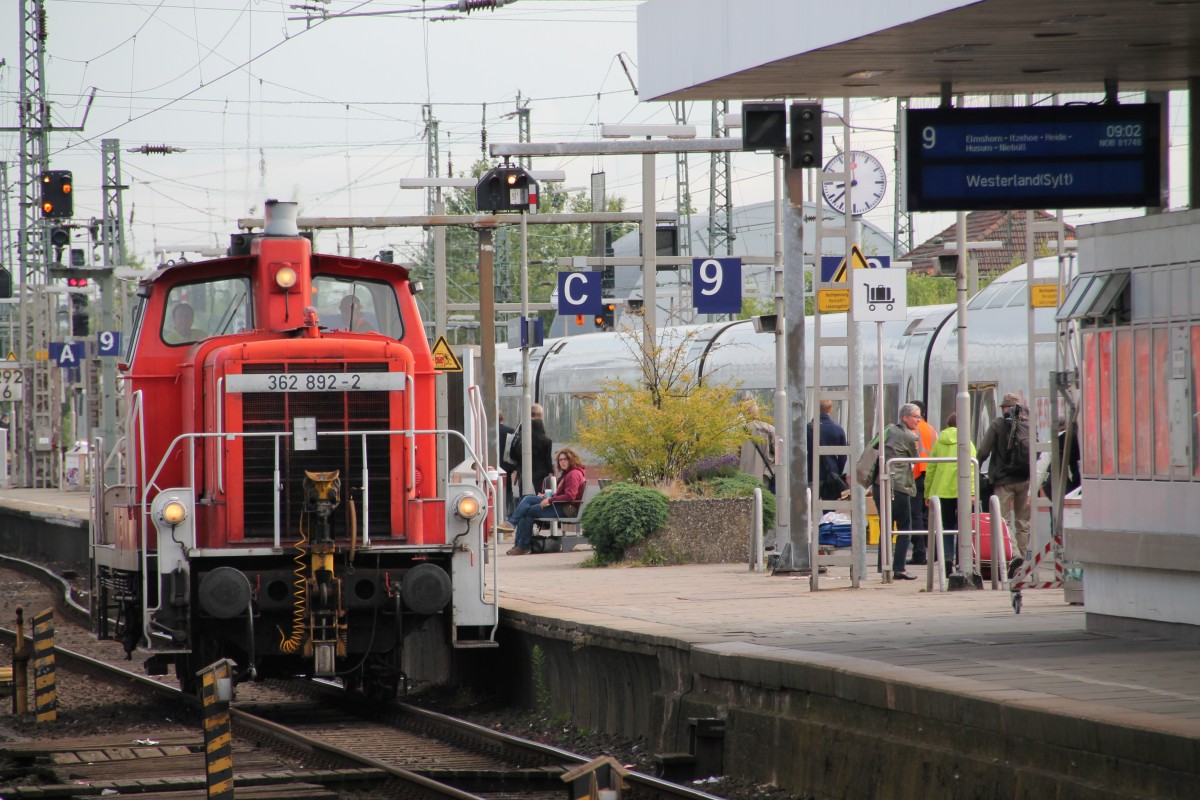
(513, 455)
(1016, 455)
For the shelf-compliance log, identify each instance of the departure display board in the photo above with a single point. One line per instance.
(1078, 156)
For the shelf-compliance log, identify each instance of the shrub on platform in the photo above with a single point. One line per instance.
(620, 516)
(725, 466)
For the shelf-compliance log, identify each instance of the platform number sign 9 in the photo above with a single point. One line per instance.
(109, 343)
(717, 285)
(12, 383)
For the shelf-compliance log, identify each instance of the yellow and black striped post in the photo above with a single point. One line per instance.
(216, 691)
(45, 690)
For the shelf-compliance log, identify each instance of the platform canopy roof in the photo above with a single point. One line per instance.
(718, 49)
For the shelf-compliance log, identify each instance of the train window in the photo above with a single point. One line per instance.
(1106, 403)
(985, 296)
(196, 311)
(1090, 443)
(1196, 399)
(139, 312)
(1143, 412)
(1078, 289)
(1162, 403)
(1124, 408)
(1012, 294)
(1112, 297)
(357, 304)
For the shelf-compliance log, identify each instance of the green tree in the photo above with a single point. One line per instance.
(651, 431)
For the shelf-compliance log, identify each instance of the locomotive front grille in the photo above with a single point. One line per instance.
(272, 412)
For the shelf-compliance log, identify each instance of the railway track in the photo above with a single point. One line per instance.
(303, 740)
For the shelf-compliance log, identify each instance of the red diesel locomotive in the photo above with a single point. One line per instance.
(280, 502)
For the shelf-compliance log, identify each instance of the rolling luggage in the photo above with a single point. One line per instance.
(984, 524)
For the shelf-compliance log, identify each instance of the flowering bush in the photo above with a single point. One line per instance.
(725, 466)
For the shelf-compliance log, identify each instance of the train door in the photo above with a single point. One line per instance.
(891, 407)
(984, 405)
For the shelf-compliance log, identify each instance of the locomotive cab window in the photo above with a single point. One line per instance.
(196, 311)
(357, 305)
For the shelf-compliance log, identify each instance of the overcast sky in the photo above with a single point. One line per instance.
(329, 112)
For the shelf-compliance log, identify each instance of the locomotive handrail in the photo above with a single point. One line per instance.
(475, 396)
(152, 483)
(220, 429)
(479, 416)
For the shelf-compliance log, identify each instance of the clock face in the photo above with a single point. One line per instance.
(868, 183)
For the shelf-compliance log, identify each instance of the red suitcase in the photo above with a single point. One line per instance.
(984, 524)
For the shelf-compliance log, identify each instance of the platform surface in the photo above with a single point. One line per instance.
(970, 642)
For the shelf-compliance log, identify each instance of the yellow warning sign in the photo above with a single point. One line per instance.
(833, 301)
(857, 261)
(1044, 295)
(11, 356)
(444, 359)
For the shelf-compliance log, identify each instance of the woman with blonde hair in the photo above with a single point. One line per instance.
(572, 479)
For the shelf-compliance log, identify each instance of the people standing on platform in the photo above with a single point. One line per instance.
(941, 481)
(572, 480)
(505, 435)
(926, 436)
(543, 447)
(900, 441)
(1005, 448)
(758, 452)
(1070, 463)
(830, 483)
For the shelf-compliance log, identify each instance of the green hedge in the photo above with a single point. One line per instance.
(620, 516)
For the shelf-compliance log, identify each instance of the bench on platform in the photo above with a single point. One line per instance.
(560, 535)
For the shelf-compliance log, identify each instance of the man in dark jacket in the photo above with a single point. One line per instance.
(1011, 480)
(831, 434)
(506, 434)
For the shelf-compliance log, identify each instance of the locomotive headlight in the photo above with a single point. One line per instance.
(174, 513)
(285, 278)
(467, 506)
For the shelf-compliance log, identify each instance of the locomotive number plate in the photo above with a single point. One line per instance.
(316, 382)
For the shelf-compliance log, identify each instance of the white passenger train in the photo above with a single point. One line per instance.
(920, 360)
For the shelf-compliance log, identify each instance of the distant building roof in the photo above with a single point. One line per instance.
(754, 234)
(1007, 227)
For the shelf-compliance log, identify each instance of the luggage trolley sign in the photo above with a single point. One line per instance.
(968, 159)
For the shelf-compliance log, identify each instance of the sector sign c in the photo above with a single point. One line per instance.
(580, 293)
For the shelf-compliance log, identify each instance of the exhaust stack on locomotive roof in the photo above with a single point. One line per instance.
(280, 217)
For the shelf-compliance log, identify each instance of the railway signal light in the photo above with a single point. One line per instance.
(58, 200)
(507, 187)
(764, 126)
(80, 316)
(805, 135)
(606, 317)
(6, 286)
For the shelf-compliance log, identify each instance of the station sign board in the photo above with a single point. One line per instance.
(1076, 156)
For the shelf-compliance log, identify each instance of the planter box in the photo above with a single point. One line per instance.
(706, 531)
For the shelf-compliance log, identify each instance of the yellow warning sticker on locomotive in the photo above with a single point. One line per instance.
(444, 358)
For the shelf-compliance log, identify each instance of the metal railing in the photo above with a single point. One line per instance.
(885, 505)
